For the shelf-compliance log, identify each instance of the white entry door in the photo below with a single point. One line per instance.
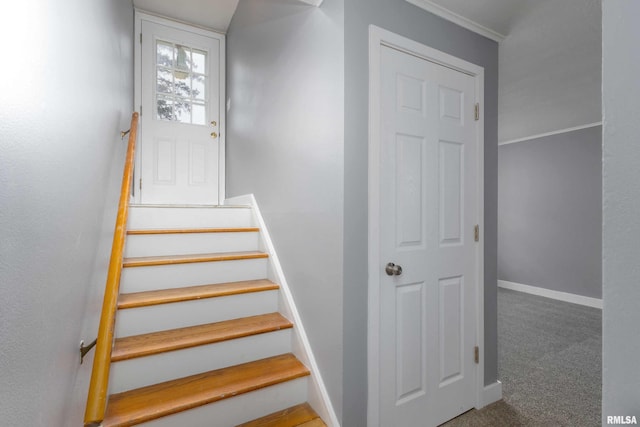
(181, 147)
(428, 211)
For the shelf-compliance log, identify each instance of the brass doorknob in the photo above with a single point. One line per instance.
(214, 135)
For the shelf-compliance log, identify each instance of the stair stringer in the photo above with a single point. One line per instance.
(318, 397)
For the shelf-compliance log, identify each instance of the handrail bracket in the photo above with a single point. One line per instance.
(84, 349)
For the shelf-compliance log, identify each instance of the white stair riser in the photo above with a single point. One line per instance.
(145, 218)
(139, 245)
(138, 279)
(142, 320)
(239, 409)
(143, 371)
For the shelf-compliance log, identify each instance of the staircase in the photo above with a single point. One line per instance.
(203, 335)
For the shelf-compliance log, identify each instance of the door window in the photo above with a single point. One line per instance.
(181, 83)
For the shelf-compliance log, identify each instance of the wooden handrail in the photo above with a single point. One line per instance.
(97, 397)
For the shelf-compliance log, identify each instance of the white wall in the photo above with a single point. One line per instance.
(621, 209)
(66, 84)
(550, 69)
(285, 144)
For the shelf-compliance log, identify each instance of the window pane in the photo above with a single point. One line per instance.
(183, 111)
(183, 58)
(198, 87)
(182, 83)
(164, 54)
(198, 114)
(164, 82)
(199, 57)
(165, 109)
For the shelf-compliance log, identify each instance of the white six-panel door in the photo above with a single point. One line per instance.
(428, 200)
(180, 132)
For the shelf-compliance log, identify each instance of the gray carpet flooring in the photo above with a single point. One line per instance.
(549, 362)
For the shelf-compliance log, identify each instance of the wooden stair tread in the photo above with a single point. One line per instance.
(299, 415)
(147, 403)
(175, 339)
(184, 259)
(314, 423)
(163, 296)
(193, 230)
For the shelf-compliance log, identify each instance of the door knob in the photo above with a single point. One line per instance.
(214, 135)
(393, 270)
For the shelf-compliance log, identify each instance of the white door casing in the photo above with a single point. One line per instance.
(180, 92)
(425, 186)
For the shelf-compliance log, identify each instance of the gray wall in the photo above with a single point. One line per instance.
(285, 144)
(65, 98)
(550, 68)
(550, 212)
(621, 207)
(412, 22)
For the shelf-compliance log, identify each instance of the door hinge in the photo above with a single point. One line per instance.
(476, 354)
(140, 184)
(140, 109)
(476, 233)
(140, 38)
(477, 112)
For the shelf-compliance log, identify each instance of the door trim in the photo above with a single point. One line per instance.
(379, 37)
(141, 15)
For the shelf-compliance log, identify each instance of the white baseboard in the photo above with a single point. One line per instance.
(243, 200)
(548, 293)
(318, 396)
(491, 393)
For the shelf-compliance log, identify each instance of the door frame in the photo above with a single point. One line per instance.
(379, 37)
(141, 15)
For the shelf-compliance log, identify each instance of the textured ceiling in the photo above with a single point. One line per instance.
(215, 14)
